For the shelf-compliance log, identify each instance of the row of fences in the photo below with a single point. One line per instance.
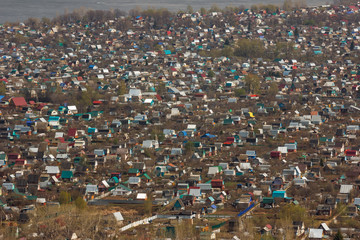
(138, 223)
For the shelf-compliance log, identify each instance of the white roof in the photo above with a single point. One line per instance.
(346, 188)
(41, 200)
(325, 227)
(118, 216)
(191, 126)
(148, 100)
(33, 149)
(59, 134)
(245, 166)
(141, 196)
(134, 92)
(105, 183)
(283, 150)
(52, 169)
(195, 192)
(316, 118)
(55, 179)
(149, 143)
(315, 233)
(73, 107)
(213, 170)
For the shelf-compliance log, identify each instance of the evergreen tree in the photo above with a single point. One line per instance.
(338, 236)
(296, 32)
(352, 45)
(2, 88)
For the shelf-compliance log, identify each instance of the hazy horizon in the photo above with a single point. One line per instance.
(20, 10)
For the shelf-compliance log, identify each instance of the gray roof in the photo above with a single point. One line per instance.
(118, 216)
(346, 188)
(357, 201)
(315, 233)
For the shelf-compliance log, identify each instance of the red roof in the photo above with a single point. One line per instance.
(268, 226)
(19, 101)
(353, 8)
(72, 132)
(40, 106)
(217, 180)
(158, 97)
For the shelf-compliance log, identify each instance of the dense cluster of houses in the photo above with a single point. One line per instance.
(123, 112)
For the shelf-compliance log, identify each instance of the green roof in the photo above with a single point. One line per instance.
(31, 197)
(268, 200)
(67, 174)
(16, 191)
(146, 176)
(134, 170)
(228, 121)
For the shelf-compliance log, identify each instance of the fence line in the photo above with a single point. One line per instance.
(246, 210)
(137, 223)
(147, 220)
(216, 216)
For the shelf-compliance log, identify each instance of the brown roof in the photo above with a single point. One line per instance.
(19, 101)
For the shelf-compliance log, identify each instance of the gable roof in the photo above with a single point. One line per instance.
(52, 169)
(19, 101)
(315, 233)
(118, 216)
(66, 174)
(346, 188)
(195, 191)
(72, 132)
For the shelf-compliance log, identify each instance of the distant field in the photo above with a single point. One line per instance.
(20, 10)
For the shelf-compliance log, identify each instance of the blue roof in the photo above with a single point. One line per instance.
(208, 135)
(279, 194)
(184, 133)
(54, 118)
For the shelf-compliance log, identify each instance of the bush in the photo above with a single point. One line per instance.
(240, 92)
(64, 198)
(249, 48)
(80, 203)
